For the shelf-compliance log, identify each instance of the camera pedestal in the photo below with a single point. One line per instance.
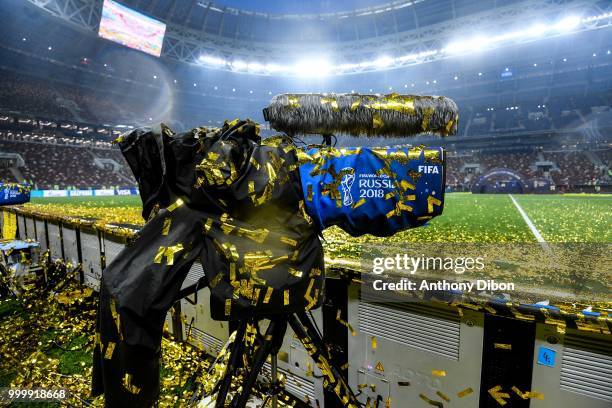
(272, 340)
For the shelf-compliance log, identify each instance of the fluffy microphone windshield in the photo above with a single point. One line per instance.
(369, 115)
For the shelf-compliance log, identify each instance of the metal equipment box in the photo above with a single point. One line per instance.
(41, 233)
(112, 246)
(294, 363)
(54, 231)
(92, 256)
(22, 232)
(404, 354)
(70, 237)
(199, 328)
(30, 225)
(572, 369)
(303, 377)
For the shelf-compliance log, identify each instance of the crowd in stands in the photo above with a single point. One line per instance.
(573, 168)
(606, 157)
(521, 162)
(7, 175)
(556, 114)
(115, 155)
(30, 96)
(563, 168)
(53, 166)
(41, 98)
(68, 156)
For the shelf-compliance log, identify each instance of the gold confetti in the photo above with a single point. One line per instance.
(519, 393)
(465, 392)
(175, 205)
(358, 203)
(502, 346)
(377, 121)
(293, 101)
(535, 394)
(168, 253)
(108, 354)
(127, 384)
(295, 272)
(430, 401)
(499, 396)
(331, 102)
(268, 295)
(255, 164)
(232, 271)
(527, 394)
(345, 323)
(116, 317)
(166, 227)
(288, 241)
(228, 307)
(449, 126)
(438, 373)
(431, 201)
(443, 396)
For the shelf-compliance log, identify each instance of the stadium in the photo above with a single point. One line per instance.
(151, 150)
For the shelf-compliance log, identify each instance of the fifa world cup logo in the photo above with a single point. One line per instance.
(345, 184)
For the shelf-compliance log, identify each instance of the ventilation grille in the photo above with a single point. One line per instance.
(294, 385)
(55, 240)
(586, 368)
(211, 344)
(195, 273)
(111, 250)
(414, 325)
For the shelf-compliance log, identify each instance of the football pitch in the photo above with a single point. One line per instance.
(473, 218)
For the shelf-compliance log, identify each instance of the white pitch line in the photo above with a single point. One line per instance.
(532, 227)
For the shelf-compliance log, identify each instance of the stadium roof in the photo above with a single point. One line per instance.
(293, 21)
(298, 6)
(375, 37)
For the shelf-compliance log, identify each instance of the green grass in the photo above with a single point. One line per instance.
(475, 218)
(11, 307)
(485, 218)
(116, 201)
(570, 218)
(73, 355)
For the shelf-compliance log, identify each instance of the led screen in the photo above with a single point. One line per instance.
(132, 29)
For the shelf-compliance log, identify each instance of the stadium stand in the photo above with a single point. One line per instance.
(557, 112)
(573, 168)
(520, 162)
(76, 157)
(53, 166)
(29, 95)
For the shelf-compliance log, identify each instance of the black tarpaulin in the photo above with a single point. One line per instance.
(222, 197)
